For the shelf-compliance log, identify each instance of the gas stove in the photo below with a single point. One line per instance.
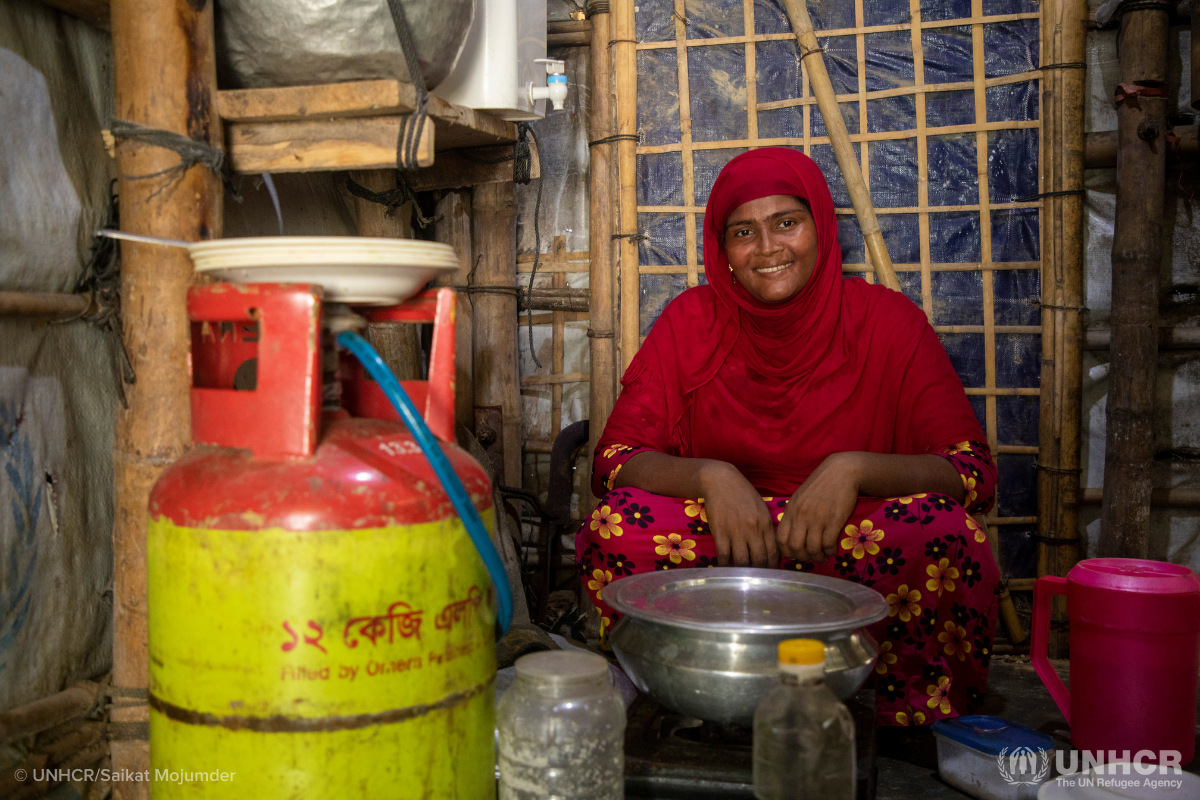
(670, 756)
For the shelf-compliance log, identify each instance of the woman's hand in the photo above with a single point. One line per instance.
(817, 512)
(738, 518)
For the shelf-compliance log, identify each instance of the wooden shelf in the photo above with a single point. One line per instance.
(341, 126)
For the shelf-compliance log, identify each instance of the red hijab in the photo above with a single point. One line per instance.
(776, 387)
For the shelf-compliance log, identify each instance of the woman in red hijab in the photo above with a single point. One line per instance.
(785, 416)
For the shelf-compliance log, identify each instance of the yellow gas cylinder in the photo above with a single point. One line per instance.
(321, 624)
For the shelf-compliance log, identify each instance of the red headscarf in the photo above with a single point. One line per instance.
(776, 387)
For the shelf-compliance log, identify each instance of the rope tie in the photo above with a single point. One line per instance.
(1130, 92)
(101, 279)
(191, 152)
(639, 236)
(1057, 470)
(392, 198)
(1033, 301)
(414, 123)
(620, 137)
(600, 334)
(593, 9)
(1065, 65)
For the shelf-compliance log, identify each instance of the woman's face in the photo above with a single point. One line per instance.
(771, 243)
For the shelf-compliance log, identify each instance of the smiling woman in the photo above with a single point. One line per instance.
(783, 416)
(771, 244)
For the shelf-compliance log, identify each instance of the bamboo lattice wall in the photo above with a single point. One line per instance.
(941, 98)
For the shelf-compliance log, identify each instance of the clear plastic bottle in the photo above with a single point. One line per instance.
(803, 735)
(562, 730)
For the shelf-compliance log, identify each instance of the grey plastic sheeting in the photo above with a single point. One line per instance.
(718, 97)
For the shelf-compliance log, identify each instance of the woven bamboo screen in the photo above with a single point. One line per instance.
(941, 98)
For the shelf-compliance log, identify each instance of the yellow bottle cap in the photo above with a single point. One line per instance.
(802, 652)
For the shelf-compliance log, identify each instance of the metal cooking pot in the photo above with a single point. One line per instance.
(703, 641)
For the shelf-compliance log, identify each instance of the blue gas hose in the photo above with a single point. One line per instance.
(399, 399)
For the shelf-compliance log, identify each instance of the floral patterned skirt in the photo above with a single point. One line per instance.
(924, 554)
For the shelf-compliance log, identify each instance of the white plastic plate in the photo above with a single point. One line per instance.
(351, 269)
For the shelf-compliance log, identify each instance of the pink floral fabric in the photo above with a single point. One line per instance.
(924, 553)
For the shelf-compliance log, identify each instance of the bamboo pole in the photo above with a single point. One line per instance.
(839, 137)
(398, 343)
(45, 304)
(1063, 30)
(1164, 498)
(601, 334)
(497, 387)
(453, 227)
(558, 255)
(625, 65)
(1100, 147)
(43, 714)
(1169, 338)
(165, 78)
(1136, 257)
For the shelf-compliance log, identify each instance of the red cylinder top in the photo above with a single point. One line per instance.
(365, 473)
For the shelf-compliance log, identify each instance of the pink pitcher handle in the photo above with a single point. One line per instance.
(1044, 590)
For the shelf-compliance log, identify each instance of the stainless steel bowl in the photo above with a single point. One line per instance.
(703, 642)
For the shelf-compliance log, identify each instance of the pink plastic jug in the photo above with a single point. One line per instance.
(1135, 654)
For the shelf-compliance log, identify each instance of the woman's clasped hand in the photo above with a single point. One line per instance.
(808, 529)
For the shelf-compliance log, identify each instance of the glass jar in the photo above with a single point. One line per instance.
(562, 730)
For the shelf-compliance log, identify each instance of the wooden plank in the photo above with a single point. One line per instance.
(455, 169)
(305, 146)
(331, 100)
(352, 125)
(358, 99)
(497, 387)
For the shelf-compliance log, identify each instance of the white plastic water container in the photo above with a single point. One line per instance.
(993, 759)
(499, 60)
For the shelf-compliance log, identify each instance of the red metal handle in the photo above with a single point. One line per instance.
(279, 418)
(436, 306)
(1044, 590)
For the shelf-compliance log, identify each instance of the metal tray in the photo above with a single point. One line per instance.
(744, 600)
